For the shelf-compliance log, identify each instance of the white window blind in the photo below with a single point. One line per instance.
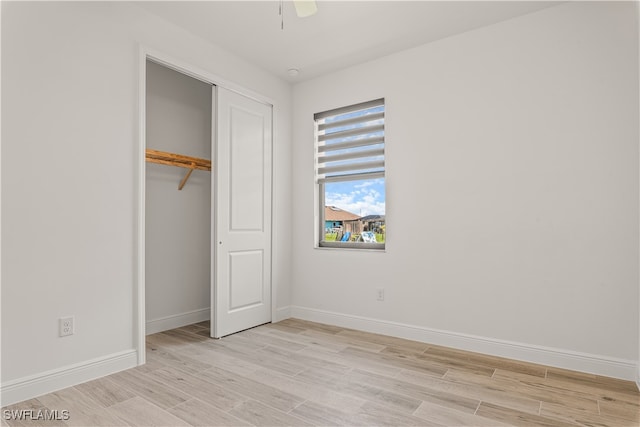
(350, 142)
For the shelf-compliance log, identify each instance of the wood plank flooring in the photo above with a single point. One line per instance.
(298, 373)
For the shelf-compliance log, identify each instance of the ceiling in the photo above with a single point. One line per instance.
(340, 34)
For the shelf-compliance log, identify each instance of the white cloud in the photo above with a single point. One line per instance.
(364, 184)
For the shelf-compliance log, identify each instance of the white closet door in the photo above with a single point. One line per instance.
(241, 290)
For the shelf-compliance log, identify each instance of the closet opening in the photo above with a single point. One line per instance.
(204, 203)
(178, 200)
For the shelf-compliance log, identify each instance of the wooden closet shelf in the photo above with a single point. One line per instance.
(172, 159)
(179, 160)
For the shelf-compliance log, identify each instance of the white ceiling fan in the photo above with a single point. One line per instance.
(304, 8)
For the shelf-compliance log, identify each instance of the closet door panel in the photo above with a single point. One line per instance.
(246, 283)
(242, 270)
(246, 164)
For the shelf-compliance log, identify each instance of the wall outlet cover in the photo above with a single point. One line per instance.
(65, 325)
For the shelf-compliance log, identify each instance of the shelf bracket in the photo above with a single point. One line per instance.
(186, 177)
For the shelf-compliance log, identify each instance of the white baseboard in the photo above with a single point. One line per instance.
(177, 320)
(281, 314)
(561, 358)
(36, 385)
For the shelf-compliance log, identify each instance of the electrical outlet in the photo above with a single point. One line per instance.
(380, 294)
(65, 325)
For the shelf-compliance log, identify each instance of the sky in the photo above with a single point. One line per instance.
(366, 197)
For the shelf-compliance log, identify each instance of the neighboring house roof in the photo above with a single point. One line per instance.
(332, 213)
(370, 218)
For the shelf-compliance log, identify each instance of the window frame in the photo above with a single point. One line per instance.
(320, 183)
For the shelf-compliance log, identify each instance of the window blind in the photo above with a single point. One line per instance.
(350, 142)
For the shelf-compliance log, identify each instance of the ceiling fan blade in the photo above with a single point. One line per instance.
(305, 8)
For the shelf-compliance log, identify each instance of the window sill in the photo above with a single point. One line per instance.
(352, 245)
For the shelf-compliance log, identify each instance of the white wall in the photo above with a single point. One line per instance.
(69, 158)
(512, 191)
(178, 222)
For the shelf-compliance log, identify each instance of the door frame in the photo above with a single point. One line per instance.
(145, 53)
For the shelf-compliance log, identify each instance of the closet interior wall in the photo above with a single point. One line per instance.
(178, 222)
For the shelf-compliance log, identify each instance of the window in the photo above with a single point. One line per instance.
(350, 176)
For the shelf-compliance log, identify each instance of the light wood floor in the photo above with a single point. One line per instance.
(299, 373)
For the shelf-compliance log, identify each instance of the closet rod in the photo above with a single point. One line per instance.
(179, 160)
